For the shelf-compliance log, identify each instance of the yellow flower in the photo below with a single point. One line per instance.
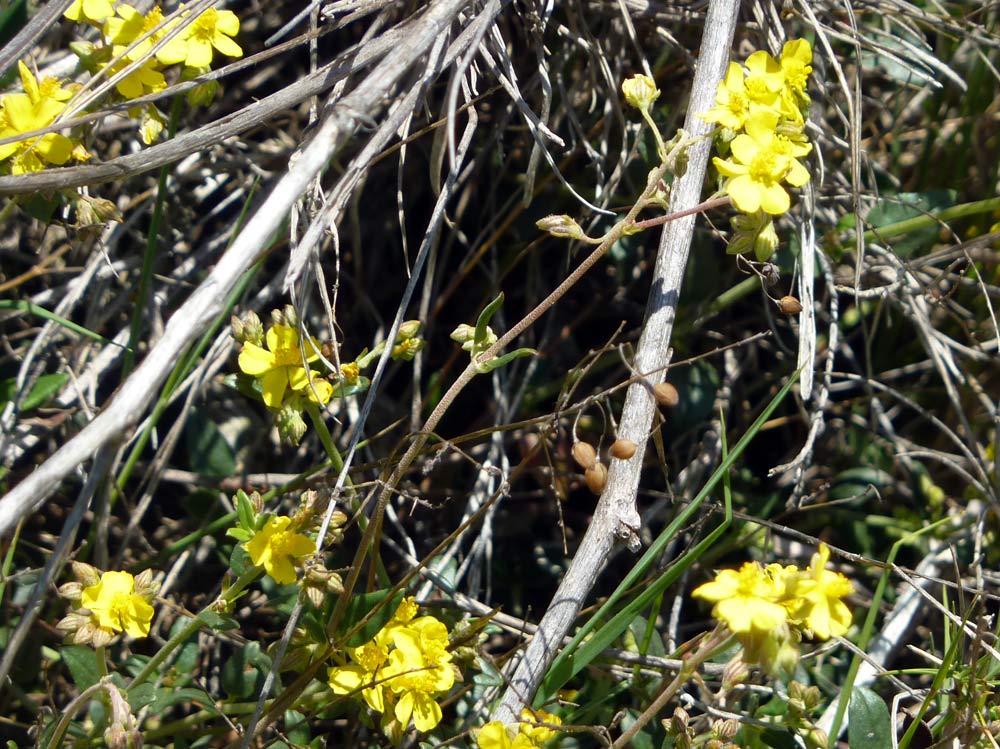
(495, 735)
(536, 733)
(765, 78)
(211, 30)
(821, 591)
(402, 671)
(760, 163)
(732, 105)
(116, 606)
(129, 25)
(745, 600)
(89, 10)
(36, 108)
(280, 366)
(796, 66)
(275, 548)
(145, 79)
(420, 670)
(363, 673)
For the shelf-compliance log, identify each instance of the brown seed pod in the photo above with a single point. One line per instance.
(584, 454)
(622, 449)
(789, 305)
(596, 476)
(666, 394)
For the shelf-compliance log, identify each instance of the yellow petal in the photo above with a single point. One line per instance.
(254, 360)
(227, 46)
(227, 22)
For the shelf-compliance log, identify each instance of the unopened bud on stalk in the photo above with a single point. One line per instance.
(640, 91)
(561, 226)
(596, 477)
(666, 394)
(789, 305)
(584, 454)
(622, 449)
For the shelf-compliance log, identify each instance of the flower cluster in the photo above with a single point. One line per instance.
(281, 365)
(534, 730)
(761, 108)
(278, 542)
(107, 604)
(402, 672)
(126, 47)
(38, 107)
(768, 608)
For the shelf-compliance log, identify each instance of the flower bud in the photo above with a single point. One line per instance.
(146, 586)
(640, 91)
(406, 350)
(561, 226)
(236, 328)
(291, 316)
(463, 333)
(789, 305)
(765, 242)
(151, 124)
(666, 394)
(596, 477)
(622, 449)
(726, 729)
(584, 454)
(408, 330)
(290, 425)
(87, 574)
(350, 372)
(203, 94)
(736, 672)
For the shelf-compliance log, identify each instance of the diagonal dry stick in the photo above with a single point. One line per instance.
(616, 518)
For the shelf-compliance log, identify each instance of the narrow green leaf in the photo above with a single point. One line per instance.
(45, 387)
(484, 319)
(506, 359)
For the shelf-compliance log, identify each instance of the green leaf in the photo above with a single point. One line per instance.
(82, 664)
(241, 673)
(869, 724)
(218, 622)
(239, 560)
(45, 387)
(167, 697)
(891, 211)
(484, 319)
(297, 728)
(142, 695)
(359, 607)
(208, 451)
(499, 361)
(245, 511)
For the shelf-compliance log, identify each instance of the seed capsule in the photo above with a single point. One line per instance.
(789, 305)
(622, 449)
(666, 394)
(596, 477)
(584, 454)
